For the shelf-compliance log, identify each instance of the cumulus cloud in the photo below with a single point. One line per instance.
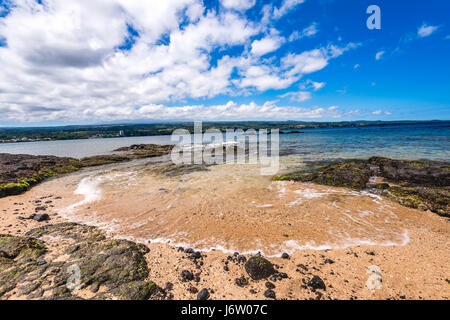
(266, 44)
(238, 4)
(425, 30)
(228, 111)
(82, 60)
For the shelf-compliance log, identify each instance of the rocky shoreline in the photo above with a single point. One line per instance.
(20, 172)
(417, 184)
(41, 253)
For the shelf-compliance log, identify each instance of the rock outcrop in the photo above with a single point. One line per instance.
(417, 184)
(20, 172)
(84, 259)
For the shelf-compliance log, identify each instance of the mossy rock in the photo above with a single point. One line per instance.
(75, 231)
(350, 173)
(259, 268)
(414, 172)
(436, 200)
(118, 266)
(108, 262)
(13, 247)
(136, 290)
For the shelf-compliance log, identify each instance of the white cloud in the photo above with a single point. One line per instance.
(307, 32)
(63, 61)
(312, 61)
(228, 111)
(286, 6)
(266, 45)
(309, 84)
(356, 66)
(318, 85)
(379, 55)
(298, 96)
(426, 30)
(238, 4)
(378, 112)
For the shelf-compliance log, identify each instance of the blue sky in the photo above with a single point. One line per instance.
(314, 60)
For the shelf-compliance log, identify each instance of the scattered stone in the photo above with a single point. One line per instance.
(316, 283)
(270, 294)
(302, 266)
(203, 295)
(169, 286)
(270, 285)
(329, 261)
(259, 268)
(186, 275)
(39, 217)
(241, 282)
(192, 289)
(285, 255)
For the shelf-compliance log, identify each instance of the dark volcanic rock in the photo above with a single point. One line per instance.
(270, 294)
(39, 217)
(258, 268)
(270, 285)
(423, 173)
(316, 283)
(19, 172)
(186, 275)
(416, 184)
(350, 173)
(203, 294)
(241, 282)
(118, 266)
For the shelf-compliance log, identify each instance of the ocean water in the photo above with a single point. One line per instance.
(233, 207)
(414, 141)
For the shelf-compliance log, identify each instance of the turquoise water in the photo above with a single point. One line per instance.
(424, 141)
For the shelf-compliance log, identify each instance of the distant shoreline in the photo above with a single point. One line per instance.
(37, 134)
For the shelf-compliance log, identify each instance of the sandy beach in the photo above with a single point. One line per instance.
(408, 260)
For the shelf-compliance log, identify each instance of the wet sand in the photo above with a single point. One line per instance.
(237, 210)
